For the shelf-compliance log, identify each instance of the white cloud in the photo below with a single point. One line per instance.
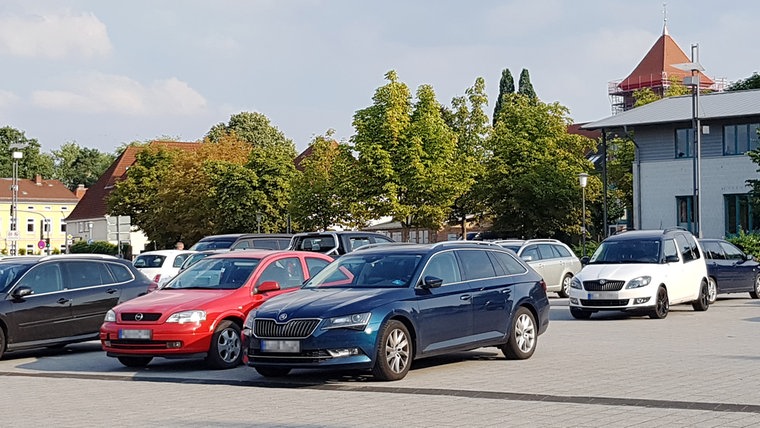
(102, 93)
(7, 98)
(54, 36)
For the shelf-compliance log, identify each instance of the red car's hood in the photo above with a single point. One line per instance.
(168, 301)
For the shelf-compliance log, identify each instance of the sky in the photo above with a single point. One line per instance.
(104, 73)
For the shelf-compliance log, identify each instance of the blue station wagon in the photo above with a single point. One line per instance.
(381, 308)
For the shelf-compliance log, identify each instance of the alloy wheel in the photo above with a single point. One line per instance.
(397, 351)
(525, 333)
(228, 345)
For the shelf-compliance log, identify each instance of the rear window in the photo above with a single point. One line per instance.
(213, 244)
(149, 261)
(320, 244)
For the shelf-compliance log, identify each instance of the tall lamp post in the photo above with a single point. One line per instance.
(583, 179)
(17, 154)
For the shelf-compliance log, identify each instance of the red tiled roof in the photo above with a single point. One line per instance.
(575, 128)
(657, 66)
(30, 191)
(93, 204)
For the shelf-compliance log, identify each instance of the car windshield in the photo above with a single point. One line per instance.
(627, 251)
(10, 271)
(368, 271)
(193, 259)
(513, 247)
(215, 274)
(149, 261)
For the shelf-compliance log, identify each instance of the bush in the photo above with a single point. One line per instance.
(97, 247)
(591, 246)
(748, 242)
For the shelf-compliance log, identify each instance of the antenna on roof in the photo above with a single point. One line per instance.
(664, 19)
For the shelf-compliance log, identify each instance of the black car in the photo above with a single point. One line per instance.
(55, 300)
(729, 269)
(262, 241)
(216, 242)
(335, 244)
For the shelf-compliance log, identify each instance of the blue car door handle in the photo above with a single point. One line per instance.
(63, 301)
(111, 290)
(464, 297)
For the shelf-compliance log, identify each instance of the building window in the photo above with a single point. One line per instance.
(80, 227)
(739, 214)
(63, 227)
(739, 139)
(684, 143)
(685, 212)
(30, 225)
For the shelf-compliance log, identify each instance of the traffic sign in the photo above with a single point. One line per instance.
(41, 244)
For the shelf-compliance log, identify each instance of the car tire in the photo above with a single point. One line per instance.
(755, 294)
(564, 291)
(226, 350)
(523, 336)
(703, 301)
(661, 304)
(273, 371)
(393, 356)
(580, 314)
(712, 290)
(135, 361)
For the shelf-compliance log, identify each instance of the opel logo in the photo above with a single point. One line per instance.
(282, 317)
(138, 317)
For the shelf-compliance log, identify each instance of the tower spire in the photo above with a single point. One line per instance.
(664, 19)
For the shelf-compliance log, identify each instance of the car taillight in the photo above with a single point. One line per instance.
(543, 284)
(157, 278)
(153, 286)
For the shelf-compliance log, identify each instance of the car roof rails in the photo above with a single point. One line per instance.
(467, 242)
(75, 255)
(674, 229)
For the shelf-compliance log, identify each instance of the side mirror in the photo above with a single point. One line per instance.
(585, 260)
(749, 257)
(22, 292)
(268, 286)
(431, 282)
(671, 259)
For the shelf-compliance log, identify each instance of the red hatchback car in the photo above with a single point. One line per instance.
(200, 312)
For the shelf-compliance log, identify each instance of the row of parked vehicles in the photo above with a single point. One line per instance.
(351, 300)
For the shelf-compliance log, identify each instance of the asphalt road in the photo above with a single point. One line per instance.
(690, 369)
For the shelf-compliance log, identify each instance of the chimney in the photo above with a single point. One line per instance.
(38, 180)
(79, 193)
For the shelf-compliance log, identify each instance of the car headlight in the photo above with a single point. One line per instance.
(110, 316)
(187, 316)
(354, 321)
(641, 281)
(248, 324)
(576, 283)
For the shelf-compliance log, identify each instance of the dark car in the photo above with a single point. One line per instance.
(729, 269)
(56, 300)
(335, 244)
(381, 308)
(216, 242)
(262, 241)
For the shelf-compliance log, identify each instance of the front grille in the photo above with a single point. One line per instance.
(306, 357)
(293, 329)
(602, 285)
(602, 302)
(146, 317)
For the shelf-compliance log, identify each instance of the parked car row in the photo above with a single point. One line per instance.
(350, 300)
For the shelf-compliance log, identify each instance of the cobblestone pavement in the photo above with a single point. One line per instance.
(690, 369)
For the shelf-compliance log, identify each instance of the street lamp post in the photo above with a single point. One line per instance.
(583, 179)
(17, 154)
(258, 222)
(89, 229)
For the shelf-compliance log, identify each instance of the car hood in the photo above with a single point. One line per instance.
(169, 301)
(327, 302)
(621, 272)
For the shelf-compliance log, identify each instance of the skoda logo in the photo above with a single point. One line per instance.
(282, 317)
(602, 281)
(138, 317)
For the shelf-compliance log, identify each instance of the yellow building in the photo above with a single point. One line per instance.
(42, 207)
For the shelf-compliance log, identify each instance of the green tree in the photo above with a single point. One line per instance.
(533, 173)
(752, 82)
(323, 195)
(506, 86)
(32, 161)
(644, 96)
(525, 87)
(470, 123)
(676, 88)
(76, 165)
(254, 128)
(407, 156)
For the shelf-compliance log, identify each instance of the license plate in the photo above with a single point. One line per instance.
(290, 346)
(592, 296)
(135, 334)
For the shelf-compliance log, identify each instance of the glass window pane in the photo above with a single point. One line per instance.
(729, 140)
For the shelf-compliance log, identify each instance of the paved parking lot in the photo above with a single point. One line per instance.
(690, 369)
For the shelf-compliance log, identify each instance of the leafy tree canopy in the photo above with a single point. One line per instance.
(752, 82)
(75, 165)
(32, 161)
